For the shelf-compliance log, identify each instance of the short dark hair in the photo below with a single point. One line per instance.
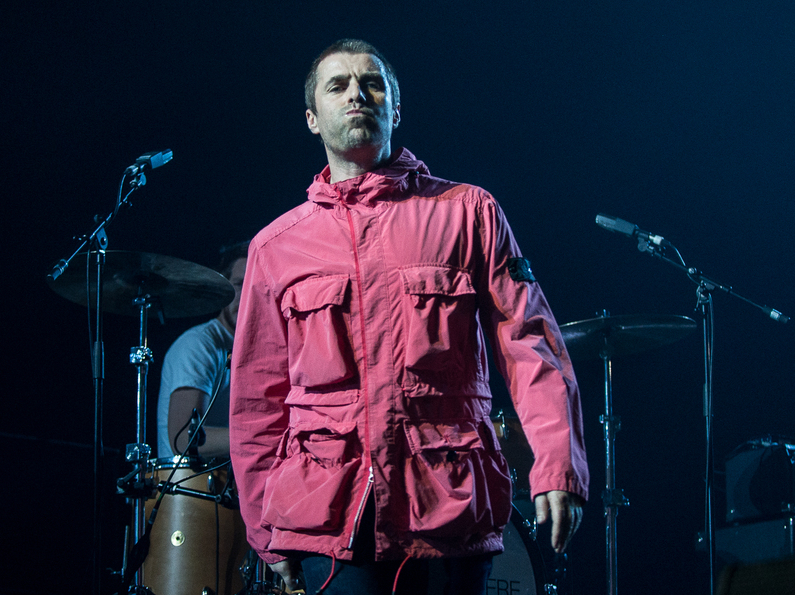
(348, 46)
(228, 255)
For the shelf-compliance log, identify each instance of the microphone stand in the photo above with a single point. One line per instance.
(705, 287)
(97, 243)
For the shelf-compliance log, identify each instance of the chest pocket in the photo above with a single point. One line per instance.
(319, 346)
(440, 310)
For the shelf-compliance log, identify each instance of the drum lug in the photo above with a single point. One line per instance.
(135, 453)
(531, 525)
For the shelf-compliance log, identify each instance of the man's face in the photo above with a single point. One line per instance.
(229, 314)
(354, 103)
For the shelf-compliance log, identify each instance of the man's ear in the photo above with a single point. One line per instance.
(396, 116)
(311, 121)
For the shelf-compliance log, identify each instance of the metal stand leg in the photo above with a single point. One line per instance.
(612, 498)
(138, 453)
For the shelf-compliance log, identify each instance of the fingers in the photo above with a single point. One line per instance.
(542, 508)
(289, 571)
(566, 512)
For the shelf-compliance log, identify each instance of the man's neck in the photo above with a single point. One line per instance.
(356, 162)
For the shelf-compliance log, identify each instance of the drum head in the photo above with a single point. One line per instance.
(519, 570)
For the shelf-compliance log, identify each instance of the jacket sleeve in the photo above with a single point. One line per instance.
(259, 386)
(530, 354)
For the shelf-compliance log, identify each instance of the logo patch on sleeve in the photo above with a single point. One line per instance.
(519, 269)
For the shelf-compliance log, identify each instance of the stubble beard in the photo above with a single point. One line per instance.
(358, 133)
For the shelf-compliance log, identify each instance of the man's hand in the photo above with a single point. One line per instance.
(566, 511)
(288, 569)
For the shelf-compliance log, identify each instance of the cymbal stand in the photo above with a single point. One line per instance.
(612, 498)
(138, 453)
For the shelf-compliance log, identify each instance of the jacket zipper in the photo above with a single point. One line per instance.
(367, 451)
(370, 480)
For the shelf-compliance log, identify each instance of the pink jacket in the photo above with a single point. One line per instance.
(359, 365)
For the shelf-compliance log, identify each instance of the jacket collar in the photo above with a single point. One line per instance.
(367, 189)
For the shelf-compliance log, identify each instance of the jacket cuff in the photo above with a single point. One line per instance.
(565, 484)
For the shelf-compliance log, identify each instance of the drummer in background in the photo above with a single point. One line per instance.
(192, 368)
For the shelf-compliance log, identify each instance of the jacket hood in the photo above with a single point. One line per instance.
(380, 184)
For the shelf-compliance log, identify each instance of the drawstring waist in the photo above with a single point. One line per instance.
(397, 574)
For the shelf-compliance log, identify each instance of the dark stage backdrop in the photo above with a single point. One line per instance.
(677, 116)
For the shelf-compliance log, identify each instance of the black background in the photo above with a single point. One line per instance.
(677, 116)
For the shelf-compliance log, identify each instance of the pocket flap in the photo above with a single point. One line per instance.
(459, 435)
(436, 280)
(330, 398)
(315, 293)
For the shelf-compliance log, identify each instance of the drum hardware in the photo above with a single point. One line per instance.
(134, 283)
(225, 497)
(140, 551)
(605, 337)
(131, 486)
(659, 247)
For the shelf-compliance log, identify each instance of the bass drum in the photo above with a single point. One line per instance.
(196, 543)
(519, 570)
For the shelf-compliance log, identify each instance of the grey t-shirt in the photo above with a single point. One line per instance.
(197, 359)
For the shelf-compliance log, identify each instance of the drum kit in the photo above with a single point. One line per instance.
(198, 545)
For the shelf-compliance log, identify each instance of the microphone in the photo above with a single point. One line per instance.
(153, 159)
(629, 229)
(193, 451)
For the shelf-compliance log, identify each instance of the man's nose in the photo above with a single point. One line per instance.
(357, 94)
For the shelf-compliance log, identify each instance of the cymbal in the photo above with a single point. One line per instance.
(622, 335)
(181, 288)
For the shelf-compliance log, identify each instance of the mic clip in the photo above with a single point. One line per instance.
(138, 178)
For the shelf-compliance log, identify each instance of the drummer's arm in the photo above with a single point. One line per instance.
(183, 402)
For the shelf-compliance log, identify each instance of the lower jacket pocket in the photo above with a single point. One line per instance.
(307, 491)
(455, 485)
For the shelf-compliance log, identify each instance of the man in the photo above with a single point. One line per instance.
(192, 368)
(360, 428)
